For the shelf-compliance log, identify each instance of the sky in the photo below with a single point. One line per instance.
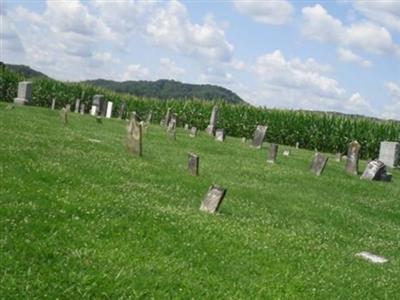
(319, 55)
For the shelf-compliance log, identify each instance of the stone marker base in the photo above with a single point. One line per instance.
(20, 101)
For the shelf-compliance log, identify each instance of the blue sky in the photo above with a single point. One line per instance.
(328, 55)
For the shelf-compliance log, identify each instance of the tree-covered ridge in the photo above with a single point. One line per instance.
(23, 70)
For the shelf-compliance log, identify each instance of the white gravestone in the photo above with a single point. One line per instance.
(109, 109)
(24, 92)
(389, 154)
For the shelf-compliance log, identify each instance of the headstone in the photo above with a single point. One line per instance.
(243, 140)
(220, 135)
(77, 103)
(193, 132)
(171, 129)
(186, 126)
(338, 156)
(64, 115)
(273, 152)
(259, 136)
(297, 145)
(372, 257)
(82, 109)
(286, 152)
(149, 117)
(134, 141)
(375, 170)
(68, 107)
(100, 103)
(213, 121)
(122, 109)
(24, 92)
(193, 164)
(53, 103)
(109, 109)
(353, 154)
(94, 110)
(389, 154)
(318, 164)
(213, 199)
(167, 118)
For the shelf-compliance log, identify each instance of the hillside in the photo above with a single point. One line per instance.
(83, 219)
(23, 70)
(169, 89)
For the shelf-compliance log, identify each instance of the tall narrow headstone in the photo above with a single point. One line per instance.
(109, 109)
(220, 135)
(318, 164)
(375, 170)
(353, 154)
(100, 103)
(149, 117)
(338, 156)
(134, 140)
(273, 152)
(24, 92)
(389, 154)
(167, 118)
(213, 121)
(213, 199)
(77, 103)
(297, 145)
(122, 109)
(171, 129)
(64, 115)
(68, 107)
(193, 132)
(193, 164)
(186, 127)
(53, 103)
(243, 140)
(94, 110)
(259, 136)
(82, 109)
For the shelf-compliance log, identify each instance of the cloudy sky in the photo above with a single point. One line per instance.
(337, 55)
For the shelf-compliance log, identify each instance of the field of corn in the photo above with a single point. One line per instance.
(324, 132)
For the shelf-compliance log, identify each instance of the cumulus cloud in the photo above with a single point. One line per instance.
(136, 72)
(169, 69)
(385, 12)
(392, 109)
(347, 55)
(274, 12)
(215, 75)
(357, 104)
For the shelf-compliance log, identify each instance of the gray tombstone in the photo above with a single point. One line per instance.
(77, 103)
(212, 201)
(101, 104)
(53, 103)
(353, 154)
(134, 140)
(338, 157)
(171, 129)
(167, 118)
(122, 109)
(318, 164)
(68, 107)
(389, 154)
(193, 164)
(24, 92)
(186, 127)
(259, 136)
(286, 152)
(82, 109)
(297, 145)
(213, 121)
(64, 115)
(193, 132)
(273, 152)
(375, 170)
(220, 135)
(243, 140)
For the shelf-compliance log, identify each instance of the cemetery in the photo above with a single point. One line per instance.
(121, 208)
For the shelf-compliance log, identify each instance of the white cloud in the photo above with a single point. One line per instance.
(216, 75)
(392, 110)
(347, 55)
(274, 12)
(356, 104)
(385, 12)
(169, 69)
(136, 72)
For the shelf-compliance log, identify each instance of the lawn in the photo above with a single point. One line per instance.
(85, 219)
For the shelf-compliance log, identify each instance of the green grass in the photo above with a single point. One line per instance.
(86, 220)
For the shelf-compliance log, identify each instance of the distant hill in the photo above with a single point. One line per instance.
(167, 89)
(25, 71)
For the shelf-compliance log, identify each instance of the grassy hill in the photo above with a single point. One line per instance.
(82, 219)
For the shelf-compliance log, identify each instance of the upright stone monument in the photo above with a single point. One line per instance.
(273, 152)
(77, 103)
(53, 103)
(122, 109)
(167, 118)
(389, 154)
(297, 145)
(149, 117)
(82, 109)
(68, 107)
(171, 129)
(243, 140)
(376, 170)
(134, 140)
(220, 135)
(186, 127)
(109, 109)
(193, 132)
(338, 157)
(259, 136)
(213, 121)
(64, 116)
(24, 93)
(100, 104)
(213, 199)
(193, 164)
(318, 164)
(353, 154)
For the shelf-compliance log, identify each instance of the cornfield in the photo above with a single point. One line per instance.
(322, 131)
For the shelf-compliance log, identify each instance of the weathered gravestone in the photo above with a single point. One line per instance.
(77, 103)
(64, 115)
(273, 152)
(376, 170)
(389, 154)
(53, 103)
(338, 156)
(171, 129)
(243, 140)
(82, 109)
(297, 145)
(109, 109)
(100, 104)
(318, 164)
(353, 154)
(220, 135)
(167, 118)
(193, 164)
(212, 201)
(213, 121)
(259, 136)
(24, 92)
(193, 132)
(122, 109)
(286, 152)
(186, 127)
(68, 107)
(94, 110)
(149, 117)
(134, 140)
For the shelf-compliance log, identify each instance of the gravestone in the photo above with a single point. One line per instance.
(318, 164)
(77, 103)
(53, 103)
(375, 170)
(220, 135)
(24, 93)
(259, 136)
(171, 129)
(213, 121)
(297, 145)
(68, 107)
(109, 109)
(134, 140)
(122, 109)
(286, 152)
(193, 164)
(186, 127)
(149, 117)
(100, 103)
(193, 132)
(82, 109)
(389, 154)
(64, 115)
(213, 199)
(273, 152)
(338, 156)
(243, 140)
(94, 110)
(167, 118)
(353, 154)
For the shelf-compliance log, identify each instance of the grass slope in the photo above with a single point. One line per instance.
(87, 220)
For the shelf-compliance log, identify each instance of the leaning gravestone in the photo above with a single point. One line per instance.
(82, 109)
(213, 199)
(353, 154)
(220, 135)
(171, 129)
(273, 152)
(213, 121)
(259, 136)
(134, 140)
(64, 115)
(376, 170)
(193, 132)
(389, 154)
(53, 103)
(318, 164)
(24, 92)
(77, 103)
(193, 164)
